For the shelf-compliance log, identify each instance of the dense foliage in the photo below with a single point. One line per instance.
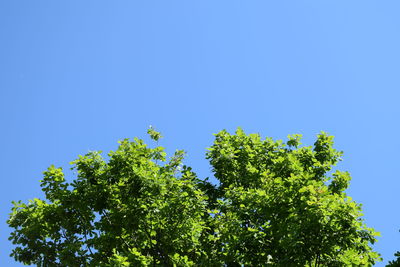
(275, 204)
(396, 262)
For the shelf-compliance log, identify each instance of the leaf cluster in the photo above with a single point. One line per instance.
(276, 204)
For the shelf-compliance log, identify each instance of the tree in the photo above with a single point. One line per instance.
(276, 204)
(280, 204)
(396, 262)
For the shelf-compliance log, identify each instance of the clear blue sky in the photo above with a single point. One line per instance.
(79, 75)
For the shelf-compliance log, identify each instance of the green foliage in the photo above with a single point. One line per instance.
(280, 205)
(154, 134)
(277, 204)
(396, 262)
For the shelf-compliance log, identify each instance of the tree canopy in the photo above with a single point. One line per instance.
(275, 203)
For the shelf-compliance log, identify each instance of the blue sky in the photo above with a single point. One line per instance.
(79, 75)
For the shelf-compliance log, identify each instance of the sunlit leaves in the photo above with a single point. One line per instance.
(282, 205)
(154, 134)
(124, 210)
(276, 204)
